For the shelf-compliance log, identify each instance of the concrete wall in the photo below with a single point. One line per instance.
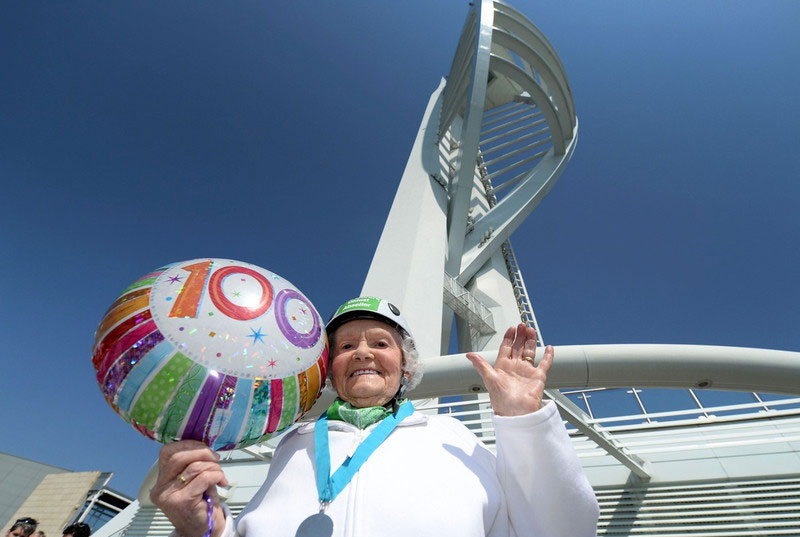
(56, 500)
(18, 479)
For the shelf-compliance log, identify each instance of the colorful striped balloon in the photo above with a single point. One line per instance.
(214, 350)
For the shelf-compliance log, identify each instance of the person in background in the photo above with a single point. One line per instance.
(38, 533)
(78, 529)
(23, 527)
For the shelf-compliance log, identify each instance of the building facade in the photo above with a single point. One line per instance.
(56, 497)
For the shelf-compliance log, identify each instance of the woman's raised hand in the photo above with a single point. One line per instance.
(515, 384)
(186, 469)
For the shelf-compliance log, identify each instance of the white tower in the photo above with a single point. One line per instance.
(494, 139)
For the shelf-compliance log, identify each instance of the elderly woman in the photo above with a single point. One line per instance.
(372, 466)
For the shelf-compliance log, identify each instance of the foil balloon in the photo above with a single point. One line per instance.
(214, 350)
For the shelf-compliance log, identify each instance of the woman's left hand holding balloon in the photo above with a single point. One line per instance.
(186, 470)
(515, 384)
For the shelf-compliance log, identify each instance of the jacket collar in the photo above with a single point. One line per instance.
(417, 418)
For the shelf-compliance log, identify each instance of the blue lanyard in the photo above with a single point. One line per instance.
(329, 486)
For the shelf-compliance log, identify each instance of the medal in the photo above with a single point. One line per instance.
(329, 486)
(318, 525)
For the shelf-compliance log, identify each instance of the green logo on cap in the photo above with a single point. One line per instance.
(361, 303)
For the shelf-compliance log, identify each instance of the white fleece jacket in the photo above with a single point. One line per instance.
(433, 478)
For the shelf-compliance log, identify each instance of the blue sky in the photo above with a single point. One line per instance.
(133, 135)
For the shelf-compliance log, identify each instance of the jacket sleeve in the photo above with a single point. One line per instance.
(546, 490)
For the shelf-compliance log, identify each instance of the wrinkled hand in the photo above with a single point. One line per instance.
(186, 469)
(515, 384)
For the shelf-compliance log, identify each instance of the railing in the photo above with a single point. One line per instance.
(520, 292)
(701, 412)
(466, 306)
(720, 431)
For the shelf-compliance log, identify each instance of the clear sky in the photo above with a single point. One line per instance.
(137, 134)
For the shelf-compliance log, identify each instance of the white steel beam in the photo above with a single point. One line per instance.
(645, 366)
(559, 125)
(510, 212)
(463, 180)
(577, 417)
(546, 72)
(515, 23)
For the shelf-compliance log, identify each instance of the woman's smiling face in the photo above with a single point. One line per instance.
(367, 362)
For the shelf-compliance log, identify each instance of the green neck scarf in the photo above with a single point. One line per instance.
(360, 417)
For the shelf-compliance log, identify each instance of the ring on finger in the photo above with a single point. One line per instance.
(182, 478)
(528, 359)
